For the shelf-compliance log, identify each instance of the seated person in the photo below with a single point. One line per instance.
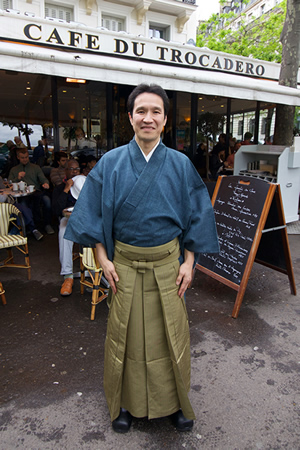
(220, 145)
(27, 214)
(58, 173)
(32, 174)
(217, 164)
(91, 161)
(82, 141)
(61, 199)
(230, 159)
(247, 138)
(19, 142)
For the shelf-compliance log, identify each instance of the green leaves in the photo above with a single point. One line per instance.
(259, 38)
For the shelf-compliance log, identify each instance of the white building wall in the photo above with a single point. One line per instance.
(89, 13)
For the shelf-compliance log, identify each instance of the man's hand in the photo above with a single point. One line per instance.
(107, 266)
(185, 272)
(21, 175)
(45, 186)
(68, 185)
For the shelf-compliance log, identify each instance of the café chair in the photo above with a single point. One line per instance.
(2, 294)
(8, 221)
(89, 262)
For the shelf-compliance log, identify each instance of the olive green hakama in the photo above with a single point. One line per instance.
(147, 348)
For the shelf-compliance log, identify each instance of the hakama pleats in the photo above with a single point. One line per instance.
(147, 349)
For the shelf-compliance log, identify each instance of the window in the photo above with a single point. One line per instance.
(58, 12)
(113, 23)
(252, 126)
(240, 127)
(6, 4)
(262, 9)
(263, 125)
(159, 31)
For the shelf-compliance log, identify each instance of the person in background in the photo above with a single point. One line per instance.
(32, 174)
(39, 156)
(220, 145)
(27, 214)
(58, 174)
(81, 140)
(62, 199)
(147, 211)
(268, 141)
(230, 159)
(199, 159)
(91, 161)
(217, 164)
(19, 142)
(247, 138)
(13, 159)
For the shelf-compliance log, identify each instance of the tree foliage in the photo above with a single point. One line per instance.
(23, 129)
(258, 39)
(210, 124)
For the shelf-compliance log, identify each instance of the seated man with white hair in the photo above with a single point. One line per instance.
(65, 196)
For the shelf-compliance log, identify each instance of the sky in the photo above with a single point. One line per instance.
(7, 134)
(206, 8)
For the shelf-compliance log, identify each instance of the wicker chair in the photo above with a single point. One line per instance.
(8, 219)
(2, 294)
(89, 262)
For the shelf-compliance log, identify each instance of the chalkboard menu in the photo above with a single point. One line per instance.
(238, 208)
(242, 207)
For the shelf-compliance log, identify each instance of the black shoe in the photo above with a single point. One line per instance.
(122, 423)
(180, 422)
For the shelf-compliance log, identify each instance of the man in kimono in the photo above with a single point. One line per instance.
(148, 212)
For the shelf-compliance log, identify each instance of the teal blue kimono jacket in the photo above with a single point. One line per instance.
(144, 204)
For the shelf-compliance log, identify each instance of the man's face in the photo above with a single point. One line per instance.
(23, 158)
(79, 134)
(63, 162)
(148, 118)
(72, 169)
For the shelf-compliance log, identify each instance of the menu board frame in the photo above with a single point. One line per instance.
(251, 227)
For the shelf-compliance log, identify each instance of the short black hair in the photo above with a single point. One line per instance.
(248, 136)
(151, 89)
(90, 158)
(60, 155)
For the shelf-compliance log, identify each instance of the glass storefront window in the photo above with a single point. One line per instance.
(82, 116)
(25, 106)
(211, 118)
(183, 121)
(122, 129)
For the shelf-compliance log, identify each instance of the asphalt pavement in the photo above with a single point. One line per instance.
(245, 371)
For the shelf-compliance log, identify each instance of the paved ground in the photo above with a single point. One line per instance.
(245, 372)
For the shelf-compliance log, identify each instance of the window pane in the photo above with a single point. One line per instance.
(113, 23)
(58, 12)
(82, 106)
(25, 106)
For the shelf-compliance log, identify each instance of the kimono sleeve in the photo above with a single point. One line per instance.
(201, 234)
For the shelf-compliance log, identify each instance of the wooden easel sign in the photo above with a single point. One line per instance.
(251, 227)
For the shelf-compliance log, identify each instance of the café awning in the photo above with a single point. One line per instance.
(116, 69)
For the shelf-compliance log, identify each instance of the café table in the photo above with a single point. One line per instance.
(16, 194)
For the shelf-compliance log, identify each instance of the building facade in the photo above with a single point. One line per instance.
(73, 64)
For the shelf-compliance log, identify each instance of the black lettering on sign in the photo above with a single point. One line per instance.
(238, 207)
